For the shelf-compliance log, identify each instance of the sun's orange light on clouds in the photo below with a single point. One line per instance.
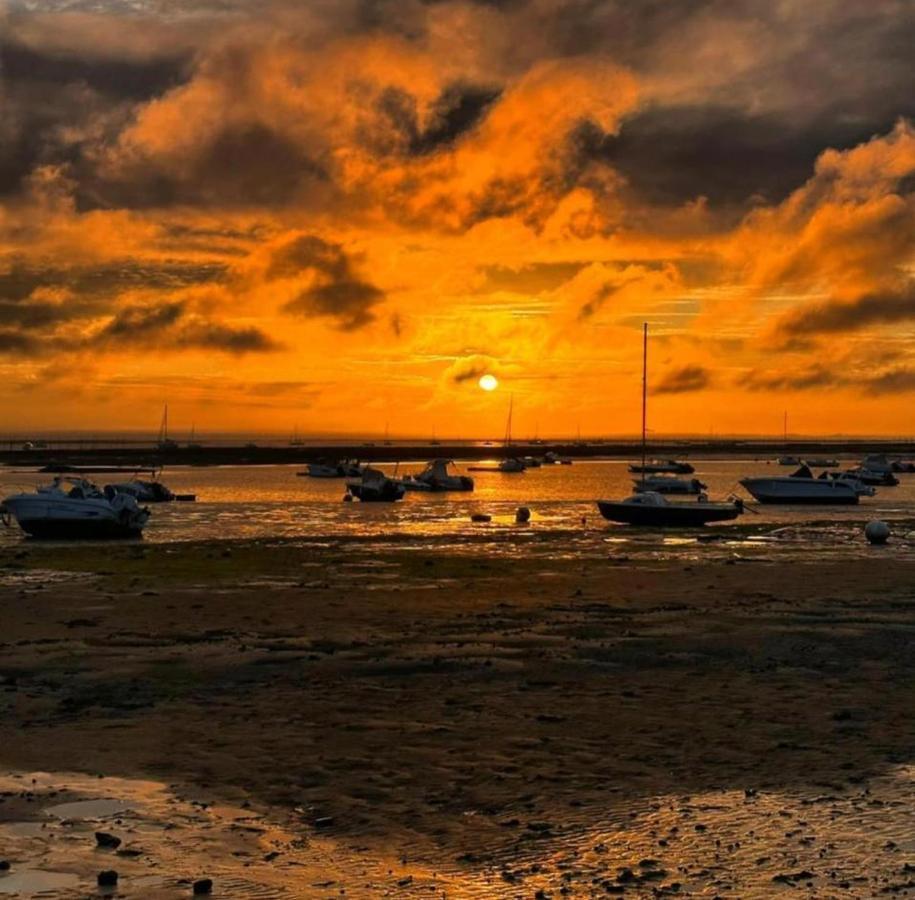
(280, 213)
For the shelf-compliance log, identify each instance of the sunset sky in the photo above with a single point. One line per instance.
(338, 215)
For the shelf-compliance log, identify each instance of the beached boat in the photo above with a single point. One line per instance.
(666, 484)
(819, 462)
(76, 508)
(340, 469)
(150, 491)
(661, 467)
(885, 478)
(552, 458)
(374, 486)
(436, 477)
(788, 461)
(512, 465)
(653, 509)
(801, 487)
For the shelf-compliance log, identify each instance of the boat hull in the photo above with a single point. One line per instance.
(671, 515)
(72, 521)
(816, 492)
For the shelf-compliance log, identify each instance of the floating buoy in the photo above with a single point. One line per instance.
(480, 517)
(877, 532)
(522, 515)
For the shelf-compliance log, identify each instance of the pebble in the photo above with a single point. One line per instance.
(103, 839)
(203, 886)
(107, 878)
(4, 865)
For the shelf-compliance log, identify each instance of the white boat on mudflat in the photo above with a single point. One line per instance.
(76, 508)
(802, 487)
(437, 477)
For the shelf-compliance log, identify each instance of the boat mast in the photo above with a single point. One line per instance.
(644, 394)
(508, 425)
(163, 428)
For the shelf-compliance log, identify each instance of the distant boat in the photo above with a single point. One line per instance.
(76, 508)
(869, 476)
(665, 484)
(295, 440)
(661, 467)
(341, 469)
(164, 442)
(802, 488)
(375, 487)
(788, 461)
(650, 508)
(150, 491)
(192, 443)
(436, 477)
(510, 465)
(820, 462)
(552, 458)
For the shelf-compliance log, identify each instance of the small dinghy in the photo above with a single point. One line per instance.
(653, 509)
(662, 467)
(76, 508)
(375, 487)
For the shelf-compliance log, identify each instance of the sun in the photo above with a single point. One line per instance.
(489, 382)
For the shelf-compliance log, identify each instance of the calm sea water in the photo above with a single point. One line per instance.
(272, 502)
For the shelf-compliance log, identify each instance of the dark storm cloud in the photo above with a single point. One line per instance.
(118, 78)
(398, 130)
(22, 279)
(334, 289)
(684, 380)
(18, 343)
(814, 377)
(170, 325)
(670, 155)
(871, 309)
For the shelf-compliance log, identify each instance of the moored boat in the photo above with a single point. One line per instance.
(801, 487)
(662, 467)
(375, 487)
(437, 477)
(76, 508)
(666, 484)
(653, 509)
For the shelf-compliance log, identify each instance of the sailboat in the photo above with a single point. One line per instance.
(511, 464)
(296, 441)
(164, 442)
(192, 443)
(652, 508)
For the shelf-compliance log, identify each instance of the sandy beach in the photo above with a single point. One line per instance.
(301, 720)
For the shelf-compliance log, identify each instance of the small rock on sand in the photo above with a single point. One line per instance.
(107, 878)
(203, 886)
(4, 865)
(103, 839)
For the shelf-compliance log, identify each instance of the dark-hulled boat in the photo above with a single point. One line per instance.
(653, 509)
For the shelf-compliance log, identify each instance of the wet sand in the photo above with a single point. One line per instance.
(319, 719)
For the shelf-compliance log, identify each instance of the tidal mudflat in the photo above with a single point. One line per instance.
(305, 720)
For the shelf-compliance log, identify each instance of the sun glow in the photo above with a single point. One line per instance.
(489, 382)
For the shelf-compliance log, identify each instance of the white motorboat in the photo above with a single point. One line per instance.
(531, 462)
(788, 461)
(666, 484)
(436, 477)
(342, 469)
(374, 486)
(552, 458)
(802, 487)
(76, 508)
